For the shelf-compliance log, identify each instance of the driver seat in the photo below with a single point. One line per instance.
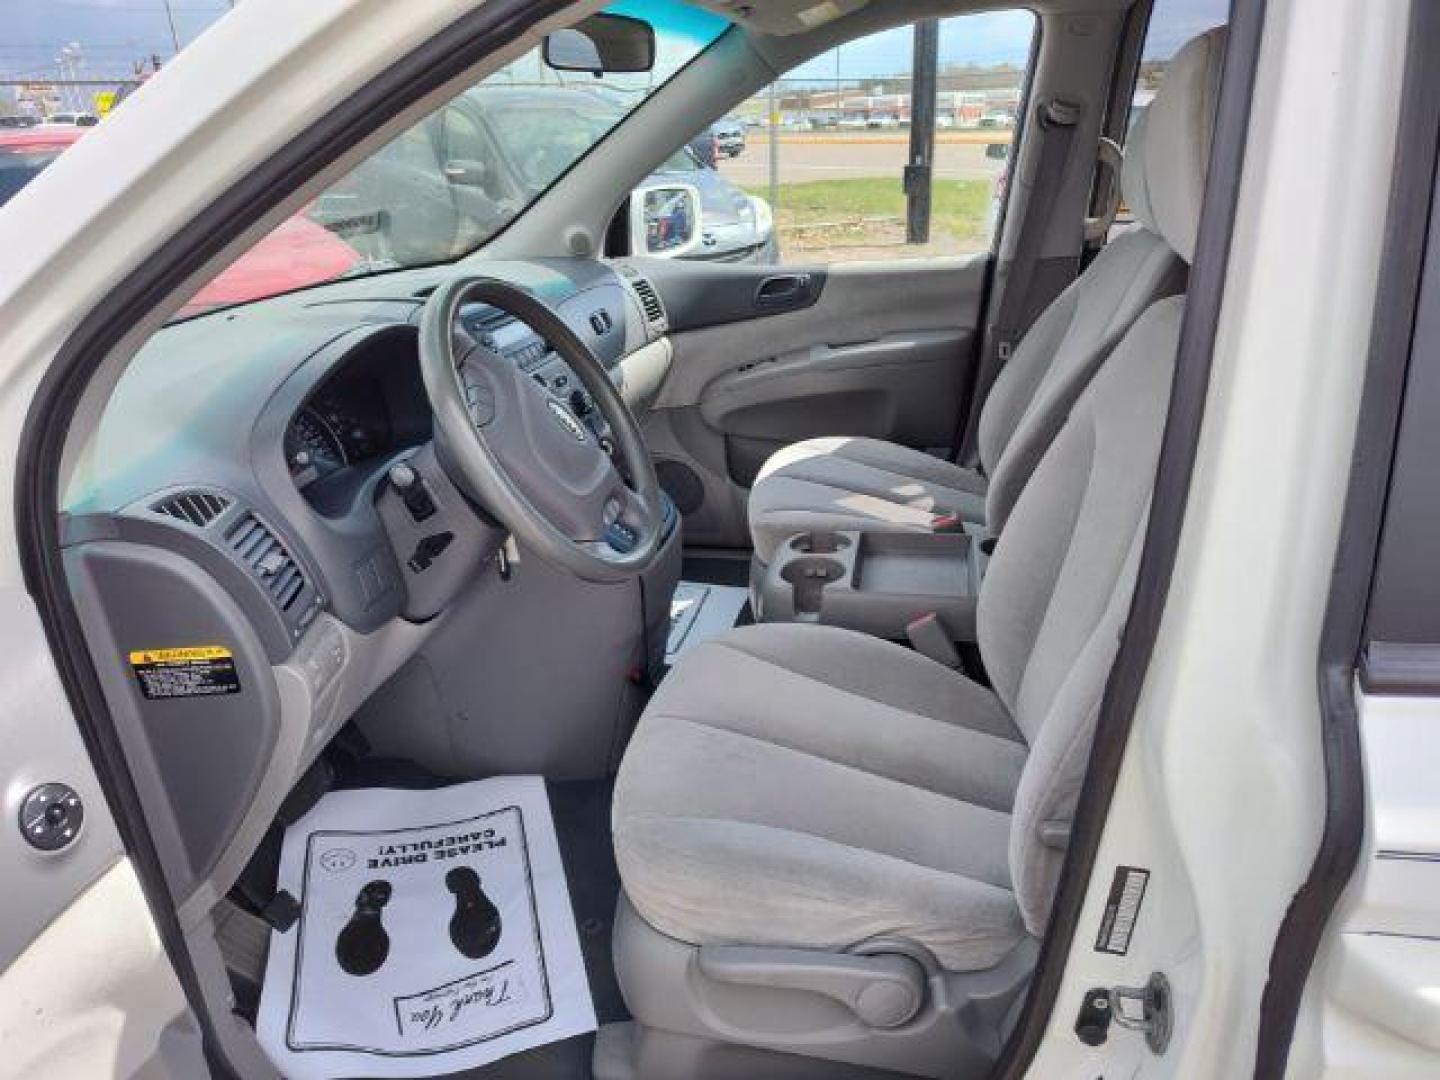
(836, 848)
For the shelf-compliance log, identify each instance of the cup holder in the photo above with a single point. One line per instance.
(819, 543)
(808, 578)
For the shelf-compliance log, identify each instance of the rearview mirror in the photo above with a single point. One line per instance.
(600, 44)
(665, 220)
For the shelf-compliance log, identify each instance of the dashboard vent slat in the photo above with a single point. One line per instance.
(649, 300)
(266, 558)
(198, 508)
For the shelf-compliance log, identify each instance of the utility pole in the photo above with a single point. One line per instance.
(920, 170)
(774, 133)
(71, 97)
(170, 18)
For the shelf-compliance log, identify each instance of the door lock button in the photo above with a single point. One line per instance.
(51, 816)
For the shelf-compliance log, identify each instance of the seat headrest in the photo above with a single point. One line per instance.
(1169, 146)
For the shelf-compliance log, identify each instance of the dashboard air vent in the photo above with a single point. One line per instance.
(198, 508)
(649, 300)
(268, 560)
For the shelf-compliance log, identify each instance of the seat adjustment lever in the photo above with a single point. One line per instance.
(883, 991)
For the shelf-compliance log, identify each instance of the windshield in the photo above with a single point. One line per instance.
(454, 180)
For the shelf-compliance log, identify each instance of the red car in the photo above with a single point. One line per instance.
(298, 253)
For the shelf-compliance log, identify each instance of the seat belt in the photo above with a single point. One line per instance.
(1057, 122)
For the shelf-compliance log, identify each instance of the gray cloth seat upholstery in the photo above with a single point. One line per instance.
(870, 485)
(812, 787)
(822, 725)
(840, 483)
(808, 786)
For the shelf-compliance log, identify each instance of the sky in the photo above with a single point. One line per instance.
(114, 34)
(992, 38)
(1003, 37)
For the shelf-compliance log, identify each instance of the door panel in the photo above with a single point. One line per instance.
(903, 387)
(884, 350)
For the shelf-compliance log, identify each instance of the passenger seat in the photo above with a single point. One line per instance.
(868, 485)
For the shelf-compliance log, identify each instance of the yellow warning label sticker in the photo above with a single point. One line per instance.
(173, 656)
(195, 671)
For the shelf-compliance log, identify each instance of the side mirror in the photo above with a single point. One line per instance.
(665, 220)
(997, 151)
(602, 43)
(465, 172)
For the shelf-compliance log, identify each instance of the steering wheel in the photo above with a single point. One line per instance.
(520, 452)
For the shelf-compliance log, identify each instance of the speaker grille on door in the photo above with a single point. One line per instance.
(682, 484)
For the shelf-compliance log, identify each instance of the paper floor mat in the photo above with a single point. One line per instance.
(436, 934)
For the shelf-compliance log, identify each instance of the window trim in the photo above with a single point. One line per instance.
(1115, 124)
(1017, 140)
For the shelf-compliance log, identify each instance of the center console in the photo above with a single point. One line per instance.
(877, 583)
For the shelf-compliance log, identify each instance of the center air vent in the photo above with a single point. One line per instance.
(198, 508)
(649, 300)
(268, 560)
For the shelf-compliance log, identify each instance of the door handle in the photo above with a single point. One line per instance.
(780, 289)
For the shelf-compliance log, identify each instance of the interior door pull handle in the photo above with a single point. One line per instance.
(782, 288)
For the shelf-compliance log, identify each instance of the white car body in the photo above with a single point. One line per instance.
(93, 994)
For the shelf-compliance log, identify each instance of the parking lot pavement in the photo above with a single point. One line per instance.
(807, 158)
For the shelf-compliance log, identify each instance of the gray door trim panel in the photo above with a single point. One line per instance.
(860, 302)
(819, 369)
(878, 331)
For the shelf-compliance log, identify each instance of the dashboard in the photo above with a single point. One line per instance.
(239, 511)
(291, 412)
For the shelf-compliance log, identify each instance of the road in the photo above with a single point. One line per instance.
(806, 158)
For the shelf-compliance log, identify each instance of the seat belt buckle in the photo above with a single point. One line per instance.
(1004, 348)
(928, 636)
(949, 522)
